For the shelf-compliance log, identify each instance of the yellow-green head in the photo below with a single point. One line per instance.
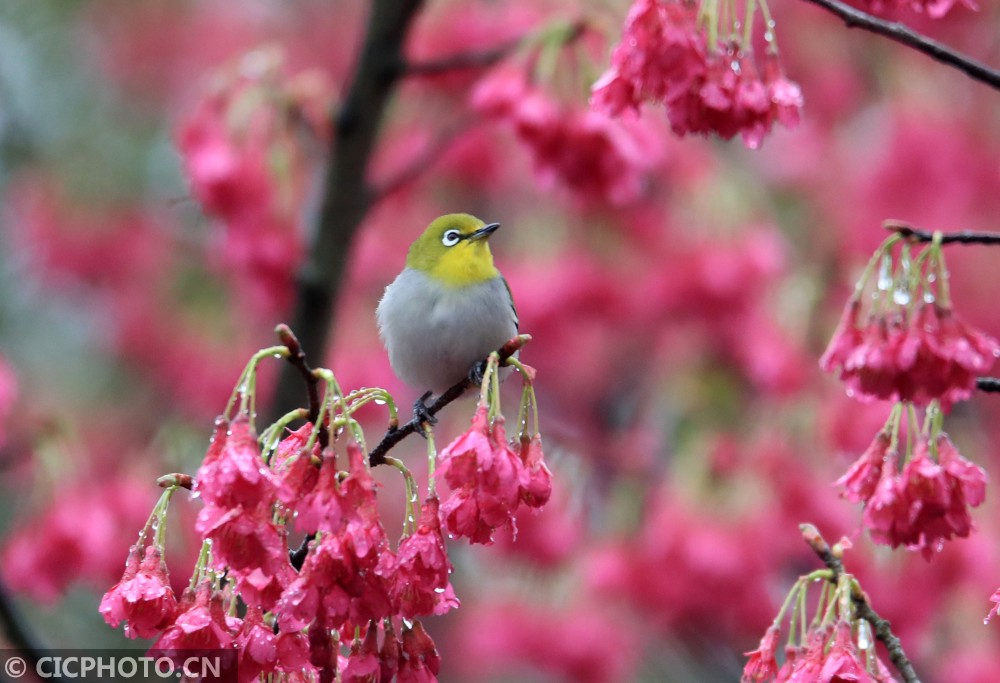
(455, 250)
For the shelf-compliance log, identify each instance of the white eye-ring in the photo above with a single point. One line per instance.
(451, 238)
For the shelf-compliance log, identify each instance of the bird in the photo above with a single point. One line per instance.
(448, 309)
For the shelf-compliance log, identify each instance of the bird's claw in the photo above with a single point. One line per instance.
(477, 372)
(421, 413)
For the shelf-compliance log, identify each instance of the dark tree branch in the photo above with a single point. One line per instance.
(346, 196)
(880, 626)
(960, 237)
(988, 384)
(396, 434)
(893, 30)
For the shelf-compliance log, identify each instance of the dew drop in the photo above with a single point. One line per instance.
(439, 590)
(900, 297)
(884, 282)
(932, 277)
(928, 297)
(864, 639)
(379, 401)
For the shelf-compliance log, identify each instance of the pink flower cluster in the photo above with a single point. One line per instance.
(664, 57)
(247, 167)
(350, 578)
(829, 656)
(587, 153)
(490, 480)
(917, 357)
(924, 504)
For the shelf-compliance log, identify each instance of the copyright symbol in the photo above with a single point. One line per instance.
(15, 667)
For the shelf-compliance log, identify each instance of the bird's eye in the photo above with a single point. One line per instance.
(451, 238)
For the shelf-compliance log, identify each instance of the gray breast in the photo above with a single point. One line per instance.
(434, 333)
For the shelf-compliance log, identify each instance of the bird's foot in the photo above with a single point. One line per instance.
(421, 413)
(477, 373)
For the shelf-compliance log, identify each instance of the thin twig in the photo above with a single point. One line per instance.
(419, 165)
(297, 357)
(480, 59)
(904, 35)
(880, 626)
(959, 237)
(988, 384)
(396, 434)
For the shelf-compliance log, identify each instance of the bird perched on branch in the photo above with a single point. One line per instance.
(449, 308)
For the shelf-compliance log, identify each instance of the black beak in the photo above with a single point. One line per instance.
(484, 232)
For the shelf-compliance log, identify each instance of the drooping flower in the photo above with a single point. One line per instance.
(485, 476)
(536, 479)
(363, 665)
(201, 624)
(928, 502)
(860, 480)
(338, 584)
(901, 354)
(233, 474)
(762, 665)
(262, 651)
(843, 661)
(143, 599)
(420, 571)
(419, 661)
(708, 86)
(243, 540)
(592, 156)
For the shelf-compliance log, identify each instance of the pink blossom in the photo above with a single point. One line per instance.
(591, 155)
(762, 665)
(843, 662)
(363, 665)
(143, 599)
(860, 480)
(233, 473)
(243, 540)
(419, 661)
(262, 651)
(337, 583)
(664, 57)
(485, 475)
(201, 624)
(919, 358)
(420, 571)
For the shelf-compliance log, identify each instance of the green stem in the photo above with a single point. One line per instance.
(944, 290)
(271, 437)
(199, 565)
(245, 381)
(866, 274)
(431, 460)
(410, 522)
(748, 17)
